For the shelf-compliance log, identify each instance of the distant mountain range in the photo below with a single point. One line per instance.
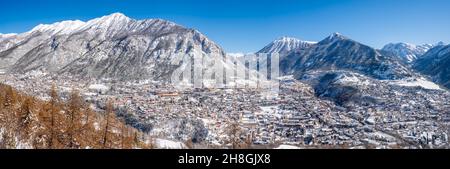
(408, 52)
(339, 52)
(116, 46)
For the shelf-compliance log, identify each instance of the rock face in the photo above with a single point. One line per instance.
(338, 52)
(436, 64)
(112, 46)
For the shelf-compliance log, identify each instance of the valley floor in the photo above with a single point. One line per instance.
(401, 117)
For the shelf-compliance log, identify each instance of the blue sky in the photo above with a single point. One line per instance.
(248, 25)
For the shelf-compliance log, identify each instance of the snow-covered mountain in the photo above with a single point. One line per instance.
(7, 41)
(111, 46)
(3, 36)
(436, 64)
(60, 28)
(407, 52)
(285, 45)
(337, 52)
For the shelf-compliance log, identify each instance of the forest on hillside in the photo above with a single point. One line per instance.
(30, 123)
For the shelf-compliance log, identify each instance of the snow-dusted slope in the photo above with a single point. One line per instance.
(59, 28)
(4, 36)
(285, 45)
(284, 146)
(111, 46)
(7, 41)
(417, 82)
(168, 144)
(337, 52)
(407, 52)
(436, 64)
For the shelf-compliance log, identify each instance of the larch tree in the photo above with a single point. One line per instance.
(26, 117)
(2, 105)
(74, 112)
(54, 110)
(43, 124)
(10, 97)
(10, 119)
(109, 112)
(123, 134)
(88, 129)
(2, 99)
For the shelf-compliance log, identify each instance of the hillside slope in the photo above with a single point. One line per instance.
(30, 123)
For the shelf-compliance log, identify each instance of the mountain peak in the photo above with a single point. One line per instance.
(63, 27)
(400, 44)
(440, 43)
(406, 51)
(114, 21)
(285, 44)
(336, 36)
(116, 16)
(287, 39)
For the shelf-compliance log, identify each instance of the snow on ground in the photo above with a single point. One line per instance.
(417, 82)
(64, 27)
(90, 94)
(271, 110)
(235, 55)
(288, 77)
(98, 87)
(352, 79)
(20, 144)
(168, 144)
(370, 120)
(283, 146)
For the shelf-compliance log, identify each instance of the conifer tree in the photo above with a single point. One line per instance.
(10, 119)
(108, 119)
(26, 117)
(42, 124)
(54, 109)
(74, 116)
(2, 100)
